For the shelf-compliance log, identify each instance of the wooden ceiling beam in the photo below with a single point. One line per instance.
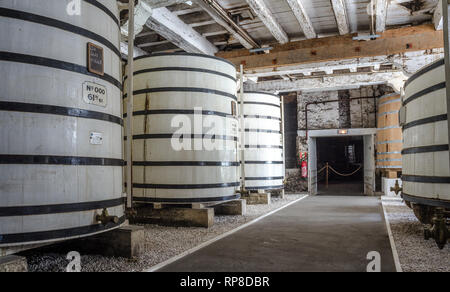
(163, 3)
(340, 11)
(265, 15)
(438, 17)
(326, 83)
(394, 41)
(381, 15)
(219, 15)
(173, 29)
(303, 18)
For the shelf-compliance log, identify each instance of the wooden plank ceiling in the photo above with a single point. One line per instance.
(321, 14)
(237, 27)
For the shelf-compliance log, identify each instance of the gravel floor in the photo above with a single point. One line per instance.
(162, 243)
(415, 253)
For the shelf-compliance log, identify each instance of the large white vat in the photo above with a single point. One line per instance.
(263, 151)
(426, 171)
(197, 91)
(60, 152)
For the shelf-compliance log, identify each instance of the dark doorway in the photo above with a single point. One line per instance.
(345, 156)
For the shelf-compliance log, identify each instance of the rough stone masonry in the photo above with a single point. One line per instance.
(345, 113)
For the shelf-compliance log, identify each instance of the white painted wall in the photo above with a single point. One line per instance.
(312, 166)
(369, 165)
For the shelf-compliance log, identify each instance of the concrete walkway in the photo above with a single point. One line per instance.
(320, 233)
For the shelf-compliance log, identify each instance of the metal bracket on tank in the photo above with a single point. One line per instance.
(131, 212)
(439, 232)
(104, 218)
(397, 189)
(243, 192)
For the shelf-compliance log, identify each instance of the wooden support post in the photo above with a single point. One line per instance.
(127, 242)
(174, 216)
(233, 208)
(283, 137)
(129, 143)
(391, 174)
(242, 134)
(446, 13)
(258, 198)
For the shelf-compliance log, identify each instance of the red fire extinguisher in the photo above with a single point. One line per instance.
(304, 165)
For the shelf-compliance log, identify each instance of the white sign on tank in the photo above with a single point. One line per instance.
(94, 94)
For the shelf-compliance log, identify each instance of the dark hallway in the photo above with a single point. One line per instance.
(345, 157)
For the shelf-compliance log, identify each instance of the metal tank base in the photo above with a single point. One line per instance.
(440, 231)
(435, 215)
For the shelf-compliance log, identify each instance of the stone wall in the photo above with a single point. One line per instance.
(294, 181)
(344, 113)
(322, 115)
(363, 112)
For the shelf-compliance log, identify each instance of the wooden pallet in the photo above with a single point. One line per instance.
(188, 215)
(391, 173)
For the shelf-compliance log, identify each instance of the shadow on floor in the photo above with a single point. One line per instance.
(342, 188)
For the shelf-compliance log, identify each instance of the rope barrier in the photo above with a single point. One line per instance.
(338, 173)
(322, 169)
(327, 167)
(345, 175)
